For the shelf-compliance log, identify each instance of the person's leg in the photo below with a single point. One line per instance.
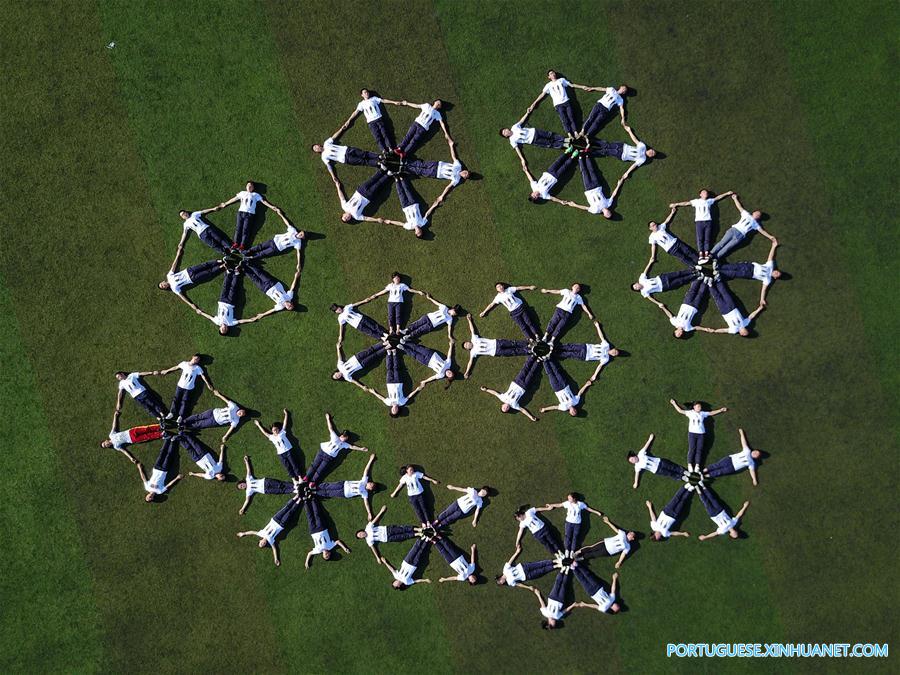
(314, 516)
(523, 319)
(684, 253)
(572, 350)
(537, 569)
(395, 311)
(420, 353)
(571, 538)
(449, 515)
(695, 448)
(151, 402)
(590, 176)
(727, 243)
(217, 240)
(229, 288)
(723, 467)
(286, 512)
(425, 168)
(370, 354)
(202, 420)
(371, 186)
(546, 537)
(558, 322)
(273, 486)
(711, 502)
(554, 373)
(242, 226)
(420, 507)
(382, 134)
(669, 469)
(204, 271)
(677, 503)
(414, 557)
(369, 326)
(523, 377)
(290, 464)
(321, 465)
(194, 448)
(330, 490)
(704, 233)
(567, 117)
(602, 148)
(589, 581)
(179, 402)
(722, 297)
(558, 592)
(404, 192)
(145, 433)
(397, 533)
(413, 137)
(560, 165)
(596, 119)
(167, 455)
(511, 348)
(548, 139)
(264, 250)
(695, 294)
(673, 280)
(419, 327)
(738, 270)
(359, 157)
(260, 278)
(448, 550)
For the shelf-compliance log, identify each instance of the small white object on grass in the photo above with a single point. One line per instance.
(111, 45)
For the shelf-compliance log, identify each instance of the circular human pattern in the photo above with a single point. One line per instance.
(541, 348)
(176, 426)
(706, 270)
(399, 338)
(579, 144)
(236, 258)
(394, 163)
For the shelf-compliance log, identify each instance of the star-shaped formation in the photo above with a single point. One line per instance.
(394, 162)
(177, 426)
(392, 342)
(579, 144)
(695, 478)
(236, 258)
(541, 348)
(568, 558)
(708, 271)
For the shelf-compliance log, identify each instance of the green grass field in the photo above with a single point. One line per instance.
(787, 103)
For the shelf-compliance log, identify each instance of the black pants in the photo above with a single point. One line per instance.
(392, 366)
(590, 174)
(369, 326)
(242, 233)
(260, 278)
(704, 235)
(330, 490)
(420, 353)
(722, 297)
(608, 149)
(669, 469)
(566, 114)
(511, 348)
(528, 372)
(359, 157)
(695, 294)
(183, 401)
(414, 556)
(421, 326)
(291, 464)
(695, 447)
(370, 354)
(684, 253)
(286, 512)
(217, 240)
(534, 570)
(558, 322)
(548, 539)
(202, 420)
(151, 402)
(573, 535)
(449, 551)
(395, 314)
(560, 165)
(555, 374)
(382, 135)
(675, 506)
(523, 319)
(229, 288)
(738, 270)
(373, 185)
(711, 502)
(597, 118)
(420, 507)
(406, 193)
(397, 533)
(315, 516)
(450, 515)
(194, 447)
(548, 139)
(724, 467)
(273, 486)
(265, 250)
(414, 137)
(426, 168)
(320, 466)
(167, 455)
(589, 581)
(673, 280)
(558, 592)
(204, 271)
(572, 350)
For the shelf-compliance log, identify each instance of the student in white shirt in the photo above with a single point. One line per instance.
(662, 525)
(248, 199)
(514, 575)
(277, 436)
(541, 138)
(509, 400)
(118, 440)
(268, 536)
(479, 346)
(568, 402)
(745, 459)
(442, 316)
(530, 520)
(411, 206)
(456, 558)
(600, 352)
(703, 220)
(605, 108)
(451, 171)
(565, 309)
(429, 113)
(644, 461)
(540, 187)
(375, 534)
(156, 485)
(668, 242)
(696, 429)
(395, 398)
(725, 302)
(272, 287)
(765, 273)
(184, 397)
(209, 234)
(472, 500)
(637, 154)
(290, 239)
(131, 384)
(349, 315)
(556, 89)
(344, 154)
(593, 188)
(211, 468)
(370, 108)
(415, 491)
(191, 276)
(554, 608)
(318, 530)
(718, 513)
(619, 544)
(507, 295)
(354, 207)
(590, 582)
(404, 577)
(330, 450)
(740, 230)
(396, 291)
(430, 358)
(347, 368)
(667, 281)
(683, 321)
(573, 505)
(230, 415)
(251, 485)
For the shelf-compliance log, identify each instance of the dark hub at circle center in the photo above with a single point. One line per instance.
(567, 562)
(392, 163)
(581, 143)
(708, 270)
(429, 532)
(393, 341)
(541, 348)
(694, 478)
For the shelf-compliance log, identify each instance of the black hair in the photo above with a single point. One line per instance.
(121, 372)
(345, 432)
(502, 283)
(486, 488)
(631, 453)
(457, 308)
(335, 306)
(395, 274)
(403, 468)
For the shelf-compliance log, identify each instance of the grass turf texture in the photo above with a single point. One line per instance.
(102, 147)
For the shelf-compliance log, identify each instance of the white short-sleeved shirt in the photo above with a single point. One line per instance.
(427, 116)
(440, 316)
(597, 352)
(322, 542)
(512, 395)
(255, 486)
(227, 415)
(566, 398)
(448, 171)
(395, 395)
(356, 488)
(224, 314)
(350, 316)
(281, 442)
(189, 373)
(521, 135)
(532, 521)
(279, 295)
(288, 239)
(396, 291)
(742, 459)
(649, 285)
(634, 153)
(513, 574)
(701, 208)
(132, 385)
(735, 321)
(355, 206)
(597, 201)
(414, 217)
(120, 439)
(483, 346)
(663, 524)
(376, 534)
(405, 574)
(696, 421)
(573, 511)
(196, 223)
(646, 462)
(686, 314)
(557, 90)
(463, 568)
(370, 107)
(470, 500)
(508, 298)
(662, 238)
(439, 364)
(610, 98)
(603, 599)
(570, 300)
(348, 367)
(544, 184)
(333, 446)
(617, 543)
(553, 610)
(413, 483)
(156, 484)
(763, 273)
(332, 152)
(178, 280)
(270, 532)
(746, 224)
(248, 200)
(209, 466)
(724, 522)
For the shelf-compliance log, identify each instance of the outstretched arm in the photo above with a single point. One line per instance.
(430, 479)
(346, 125)
(370, 298)
(172, 482)
(180, 250)
(397, 489)
(723, 195)
(261, 428)
(718, 411)
(531, 108)
(528, 414)
(743, 510)
(677, 407)
(284, 421)
(587, 310)
(650, 509)
(634, 139)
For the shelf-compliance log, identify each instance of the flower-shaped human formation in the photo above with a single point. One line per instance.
(541, 348)
(430, 531)
(695, 478)
(707, 269)
(177, 426)
(394, 162)
(392, 342)
(568, 558)
(236, 258)
(579, 144)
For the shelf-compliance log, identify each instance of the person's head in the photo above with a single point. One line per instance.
(571, 498)
(551, 75)
(337, 375)
(346, 217)
(195, 359)
(573, 411)
(622, 90)
(632, 457)
(150, 497)
(262, 543)
(506, 407)
(501, 286)
(344, 435)
(395, 410)
(184, 214)
(697, 406)
(223, 330)
(744, 331)
(506, 133)
(251, 186)
(501, 580)
(407, 470)
(456, 310)
(704, 194)
(607, 213)
(106, 443)
(613, 351)
(534, 197)
(242, 485)
(317, 148)
(472, 579)
(467, 344)
(651, 153)
(464, 174)
(776, 274)
(121, 374)
(360, 534)
(163, 285)
(398, 585)
(370, 486)
(656, 536)
(733, 533)
(337, 309)
(395, 277)
(679, 333)
(449, 374)
(653, 226)
(240, 412)
(757, 215)
(614, 608)
(326, 555)
(576, 288)
(519, 514)
(220, 476)
(276, 427)
(483, 491)
(437, 104)
(755, 454)
(549, 624)
(364, 93)
(630, 535)
(288, 305)
(418, 231)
